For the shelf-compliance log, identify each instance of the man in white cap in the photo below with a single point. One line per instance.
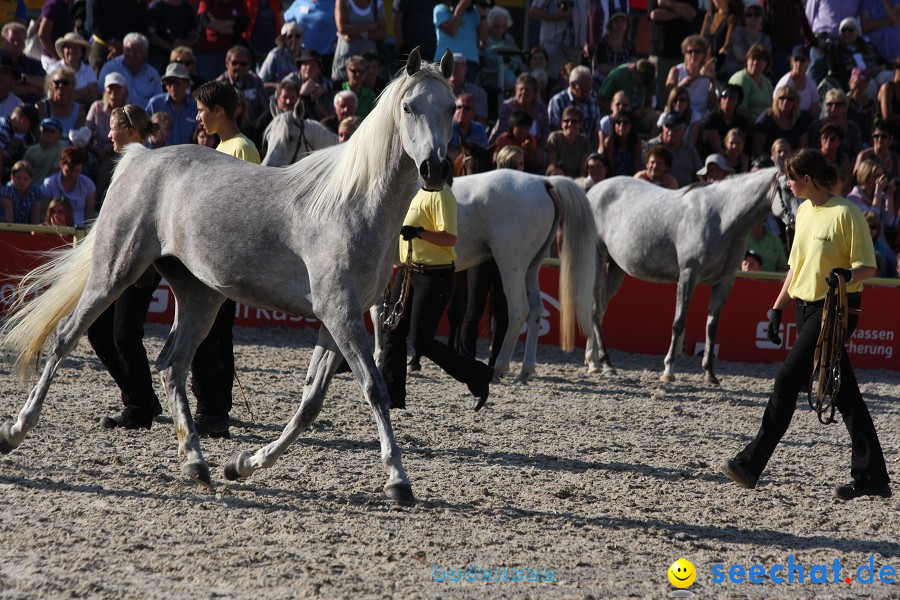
(179, 105)
(715, 169)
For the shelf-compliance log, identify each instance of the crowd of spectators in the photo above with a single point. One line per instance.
(718, 87)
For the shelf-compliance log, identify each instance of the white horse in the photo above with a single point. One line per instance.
(316, 239)
(691, 235)
(290, 137)
(512, 217)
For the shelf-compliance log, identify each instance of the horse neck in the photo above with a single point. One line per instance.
(737, 215)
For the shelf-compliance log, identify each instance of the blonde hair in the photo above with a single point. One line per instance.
(135, 117)
(794, 111)
(67, 72)
(866, 171)
(506, 156)
(735, 133)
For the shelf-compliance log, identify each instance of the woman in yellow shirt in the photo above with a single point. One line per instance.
(831, 241)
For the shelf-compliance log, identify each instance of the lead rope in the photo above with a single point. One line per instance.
(390, 321)
(827, 358)
(243, 395)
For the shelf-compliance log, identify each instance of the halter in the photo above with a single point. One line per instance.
(302, 140)
(829, 346)
(787, 216)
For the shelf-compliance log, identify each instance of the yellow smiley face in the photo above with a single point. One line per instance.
(682, 573)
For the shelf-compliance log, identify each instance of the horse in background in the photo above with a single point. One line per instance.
(319, 241)
(690, 236)
(290, 137)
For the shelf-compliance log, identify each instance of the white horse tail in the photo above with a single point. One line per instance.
(32, 317)
(578, 260)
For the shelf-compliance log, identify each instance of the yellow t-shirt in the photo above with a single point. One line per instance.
(241, 147)
(435, 211)
(829, 236)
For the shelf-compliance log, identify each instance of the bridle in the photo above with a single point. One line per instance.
(829, 348)
(787, 215)
(390, 320)
(302, 141)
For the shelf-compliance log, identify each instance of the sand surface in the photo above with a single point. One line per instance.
(592, 486)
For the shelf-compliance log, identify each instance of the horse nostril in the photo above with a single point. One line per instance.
(423, 170)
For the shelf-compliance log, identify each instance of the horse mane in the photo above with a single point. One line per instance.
(341, 174)
(128, 156)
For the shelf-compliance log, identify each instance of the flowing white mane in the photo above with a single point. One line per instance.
(346, 172)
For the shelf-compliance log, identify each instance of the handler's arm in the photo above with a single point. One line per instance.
(784, 300)
(862, 272)
(438, 238)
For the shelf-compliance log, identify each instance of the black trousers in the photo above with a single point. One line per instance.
(429, 294)
(117, 339)
(867, 466)
(212, 370)
(483, 280)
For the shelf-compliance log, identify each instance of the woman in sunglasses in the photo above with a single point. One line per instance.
(60, 100)
(783, 120)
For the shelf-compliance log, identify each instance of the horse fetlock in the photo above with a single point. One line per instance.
(7, 441)
(237, 467)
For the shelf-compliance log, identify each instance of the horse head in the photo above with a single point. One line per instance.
(281, 139)
(784, 203)
(472, 159)
(425, 118)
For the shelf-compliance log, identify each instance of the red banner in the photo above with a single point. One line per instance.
(639, 318)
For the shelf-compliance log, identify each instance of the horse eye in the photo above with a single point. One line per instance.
(406, 108)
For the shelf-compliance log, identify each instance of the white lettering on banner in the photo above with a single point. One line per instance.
(160, 301)
(786, 331)
(242, 311)
(873, 334)
(870, 349)
(544, 324)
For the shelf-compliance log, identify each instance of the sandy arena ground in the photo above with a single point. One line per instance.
(591, 486)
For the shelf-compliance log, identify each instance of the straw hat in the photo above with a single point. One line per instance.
(71, 38)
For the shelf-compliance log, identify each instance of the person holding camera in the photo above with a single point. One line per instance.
(564, 31)
(831, 242)
(461, 28)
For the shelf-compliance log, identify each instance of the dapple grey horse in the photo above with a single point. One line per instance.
(691, 235)
(290, 137)
(315, 239)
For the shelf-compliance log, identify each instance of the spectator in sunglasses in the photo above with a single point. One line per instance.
(238, 61)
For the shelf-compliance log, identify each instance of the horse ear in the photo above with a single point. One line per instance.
(447, 64)
(299, 110)
(413, 62)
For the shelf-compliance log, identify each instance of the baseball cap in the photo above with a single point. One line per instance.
(52, 123)
(115, 78)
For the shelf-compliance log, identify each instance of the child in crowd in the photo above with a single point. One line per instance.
(44, 156)
(659, 161)
(60, 213)
(14, 132)
(164, 121)
(70, 182)
(347, 127)
(21, 200)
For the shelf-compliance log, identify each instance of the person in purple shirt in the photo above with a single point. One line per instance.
(56, 21)
(825, 18)
(177, 103)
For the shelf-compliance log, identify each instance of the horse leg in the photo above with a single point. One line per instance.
(535, 312)
(716, 301)
(196, 307)
(68, 331)
(517, 302)
(609, 279)
(322, 365)
(687, 281)
(351, 340)
(376, 313)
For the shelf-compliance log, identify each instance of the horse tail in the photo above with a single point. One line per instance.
(578, 260)
(62, 279)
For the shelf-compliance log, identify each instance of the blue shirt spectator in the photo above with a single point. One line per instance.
(477, 135)
(142, 79)
(579, 95)
(465, 40)
(177, 103)
(317, 18)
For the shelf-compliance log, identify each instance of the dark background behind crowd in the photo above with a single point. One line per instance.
(670, 91)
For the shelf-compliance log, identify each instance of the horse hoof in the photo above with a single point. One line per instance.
(199, 472)
(6, 445)
(523, 377)
(666, 378)
(712, 379)
(593, 369)
(400, 494)
(231, 468)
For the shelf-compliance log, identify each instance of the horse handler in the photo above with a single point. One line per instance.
(431, 225)
(832, 241)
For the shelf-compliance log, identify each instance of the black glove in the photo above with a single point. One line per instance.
(832, 280)
(774, 315)
(411, 232)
